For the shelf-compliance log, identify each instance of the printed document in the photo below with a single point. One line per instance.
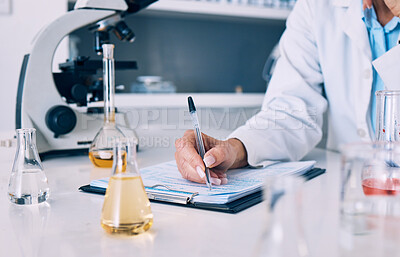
(241, 182)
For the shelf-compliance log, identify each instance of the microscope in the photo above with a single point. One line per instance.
(55, 104)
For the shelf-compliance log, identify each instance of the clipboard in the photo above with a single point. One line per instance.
(185, 200)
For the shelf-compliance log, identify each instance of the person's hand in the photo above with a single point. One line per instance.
(220, 156)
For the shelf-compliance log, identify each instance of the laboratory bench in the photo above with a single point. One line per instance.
(68, 224)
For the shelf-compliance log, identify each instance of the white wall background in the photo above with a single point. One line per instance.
(18, 26)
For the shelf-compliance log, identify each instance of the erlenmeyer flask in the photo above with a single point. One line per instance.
(28, 183)
(126, 208)
(100, 151)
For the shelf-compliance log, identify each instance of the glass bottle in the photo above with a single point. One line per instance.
(100, 151)
(126, 208)
(28, 183)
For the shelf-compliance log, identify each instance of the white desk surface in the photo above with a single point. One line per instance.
(69, 223)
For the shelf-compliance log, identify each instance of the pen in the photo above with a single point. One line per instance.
(199, 138)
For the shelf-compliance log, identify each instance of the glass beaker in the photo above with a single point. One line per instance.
(283, 234)
(28, 183)
(126, 208)
(387, 118)
(370, 202)
(369, 169)
(101, 151)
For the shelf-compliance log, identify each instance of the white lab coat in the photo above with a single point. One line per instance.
(325, 65)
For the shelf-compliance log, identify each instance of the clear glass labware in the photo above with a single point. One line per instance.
(387, 115)
(101, 151)
(369, 200)
(283, 233)
(28, 183)
(369, 171)
(126, 208)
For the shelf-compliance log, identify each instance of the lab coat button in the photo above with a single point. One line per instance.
(367, 74)
(361, 132)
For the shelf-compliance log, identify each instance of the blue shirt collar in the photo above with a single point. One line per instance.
(371, 21)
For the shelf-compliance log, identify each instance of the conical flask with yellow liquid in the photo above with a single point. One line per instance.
(100, 151)
(126, 208)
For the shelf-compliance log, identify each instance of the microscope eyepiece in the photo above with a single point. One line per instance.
(104, 27)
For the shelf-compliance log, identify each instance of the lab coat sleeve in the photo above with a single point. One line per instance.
(388, 68)
(289, 124)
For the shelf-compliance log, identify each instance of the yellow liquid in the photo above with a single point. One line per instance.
(104, 159)
(126, 208)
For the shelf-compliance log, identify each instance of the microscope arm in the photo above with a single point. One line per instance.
(119, 5)
(39, 104)
(128, 6)
(37, 92)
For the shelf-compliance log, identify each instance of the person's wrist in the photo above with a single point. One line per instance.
(240, 153)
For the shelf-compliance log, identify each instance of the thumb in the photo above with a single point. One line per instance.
(214, 157)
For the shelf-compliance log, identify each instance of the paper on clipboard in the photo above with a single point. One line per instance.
(165, 180)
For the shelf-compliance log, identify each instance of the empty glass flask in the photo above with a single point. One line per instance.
(126, 208)
(387, 126)
(28, 183)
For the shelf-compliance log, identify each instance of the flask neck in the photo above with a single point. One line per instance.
(26, 139)
(120, 160)
(109, 87)
(26, 148)
(125, 158)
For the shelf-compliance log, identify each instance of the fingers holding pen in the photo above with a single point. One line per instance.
(189, 163)
(211, 162)
(218, 178)
(192, 168)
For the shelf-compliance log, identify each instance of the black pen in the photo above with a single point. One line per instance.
(199, 138)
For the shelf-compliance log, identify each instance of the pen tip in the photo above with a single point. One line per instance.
(192, 108)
